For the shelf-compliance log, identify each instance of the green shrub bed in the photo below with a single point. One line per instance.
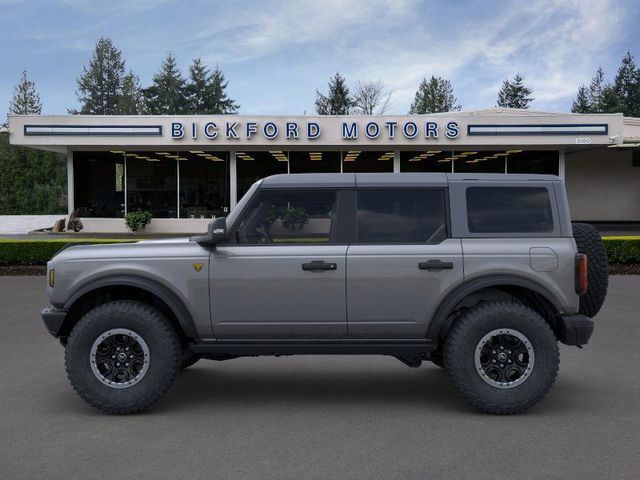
(625, 250)
(38, 252)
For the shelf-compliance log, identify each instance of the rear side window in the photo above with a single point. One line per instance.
(509, 210)
(401, 215)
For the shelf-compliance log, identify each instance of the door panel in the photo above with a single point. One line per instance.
(263, 291)
(393, 290)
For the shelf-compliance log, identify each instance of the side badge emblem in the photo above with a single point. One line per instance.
(197, 266)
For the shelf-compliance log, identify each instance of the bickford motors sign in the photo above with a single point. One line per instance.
(293, 130)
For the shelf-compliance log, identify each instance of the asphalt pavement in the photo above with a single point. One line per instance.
(319, 417)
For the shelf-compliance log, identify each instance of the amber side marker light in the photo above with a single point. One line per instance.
(582, 279)
(51, 277)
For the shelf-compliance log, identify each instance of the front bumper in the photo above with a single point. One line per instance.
(574, 329)
(53, 319)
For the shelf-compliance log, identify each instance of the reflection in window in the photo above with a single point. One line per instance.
(479, 161)
(367, 161)
(314, 162)
(533, 161)
(426, 161)
(99, 184)
(288, 216)
(401, 215)
(204, 184)
(152, 183)
(252, 166)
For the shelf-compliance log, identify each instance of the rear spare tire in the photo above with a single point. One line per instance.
(590, 243)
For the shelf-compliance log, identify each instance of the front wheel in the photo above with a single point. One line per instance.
(122, 356)
(502, 356)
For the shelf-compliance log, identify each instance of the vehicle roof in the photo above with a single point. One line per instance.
(407, 179)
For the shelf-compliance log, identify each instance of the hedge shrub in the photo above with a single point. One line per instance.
(34, 252)
(622, 249)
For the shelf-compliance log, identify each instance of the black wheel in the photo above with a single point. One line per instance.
(590, 243)
(188, 359)
(502, 357)
(122, 356)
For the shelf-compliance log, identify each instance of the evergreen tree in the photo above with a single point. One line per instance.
(337, 101)
(627, 86)
(222, 103)
(514, 93)
(26, 100)
(100, 84)
(167, 96)
(581, 103)
(434, 95)
(596, 88)
(130, 101)
(206, 92)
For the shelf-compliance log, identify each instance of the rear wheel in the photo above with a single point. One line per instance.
(502, 357)
(122, 356)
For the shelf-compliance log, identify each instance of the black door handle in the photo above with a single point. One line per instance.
(319, 265)
(435, 265)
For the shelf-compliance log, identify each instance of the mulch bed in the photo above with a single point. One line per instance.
(19, 270)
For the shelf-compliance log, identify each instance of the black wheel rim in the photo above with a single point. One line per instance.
(119, 358)
(504, 358)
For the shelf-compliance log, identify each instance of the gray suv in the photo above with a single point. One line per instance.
(481, 275)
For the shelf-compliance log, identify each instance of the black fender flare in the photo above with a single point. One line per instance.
(439, 322)
(176, 306)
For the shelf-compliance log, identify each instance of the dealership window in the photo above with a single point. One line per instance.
(314, 162)
(533, 161)
(288, 216)
(401, 215)
(252, 166)
(99, 184)
(203, 178)
(426, 161)
(509, 210)
(152, 183)
(367, 161)
(478, 161)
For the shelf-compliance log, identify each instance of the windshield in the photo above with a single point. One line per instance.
(233, 215)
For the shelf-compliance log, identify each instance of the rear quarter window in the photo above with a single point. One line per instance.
(494, 209)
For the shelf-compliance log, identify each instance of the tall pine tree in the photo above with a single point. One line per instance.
(100, 84)
(514, 93)
(627, 86)
(206, 91)
(337, 101)
(26, 100)
(581, 104)
(434, 95)
(130, 100)
(167, 95)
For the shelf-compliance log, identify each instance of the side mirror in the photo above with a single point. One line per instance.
(217, 230)
(216, 233)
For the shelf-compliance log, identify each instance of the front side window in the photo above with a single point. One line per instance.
(509, 210)
(401, 215)
(288, 216)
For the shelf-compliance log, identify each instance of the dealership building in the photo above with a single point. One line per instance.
(186, 170)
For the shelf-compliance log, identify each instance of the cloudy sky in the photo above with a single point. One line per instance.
(276, 53)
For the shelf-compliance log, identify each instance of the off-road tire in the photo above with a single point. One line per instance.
(188, 359)
(463, 340)
(164, 351)
(590, 243)
(437, 358)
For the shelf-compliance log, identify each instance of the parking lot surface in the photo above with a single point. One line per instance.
(319, 417)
